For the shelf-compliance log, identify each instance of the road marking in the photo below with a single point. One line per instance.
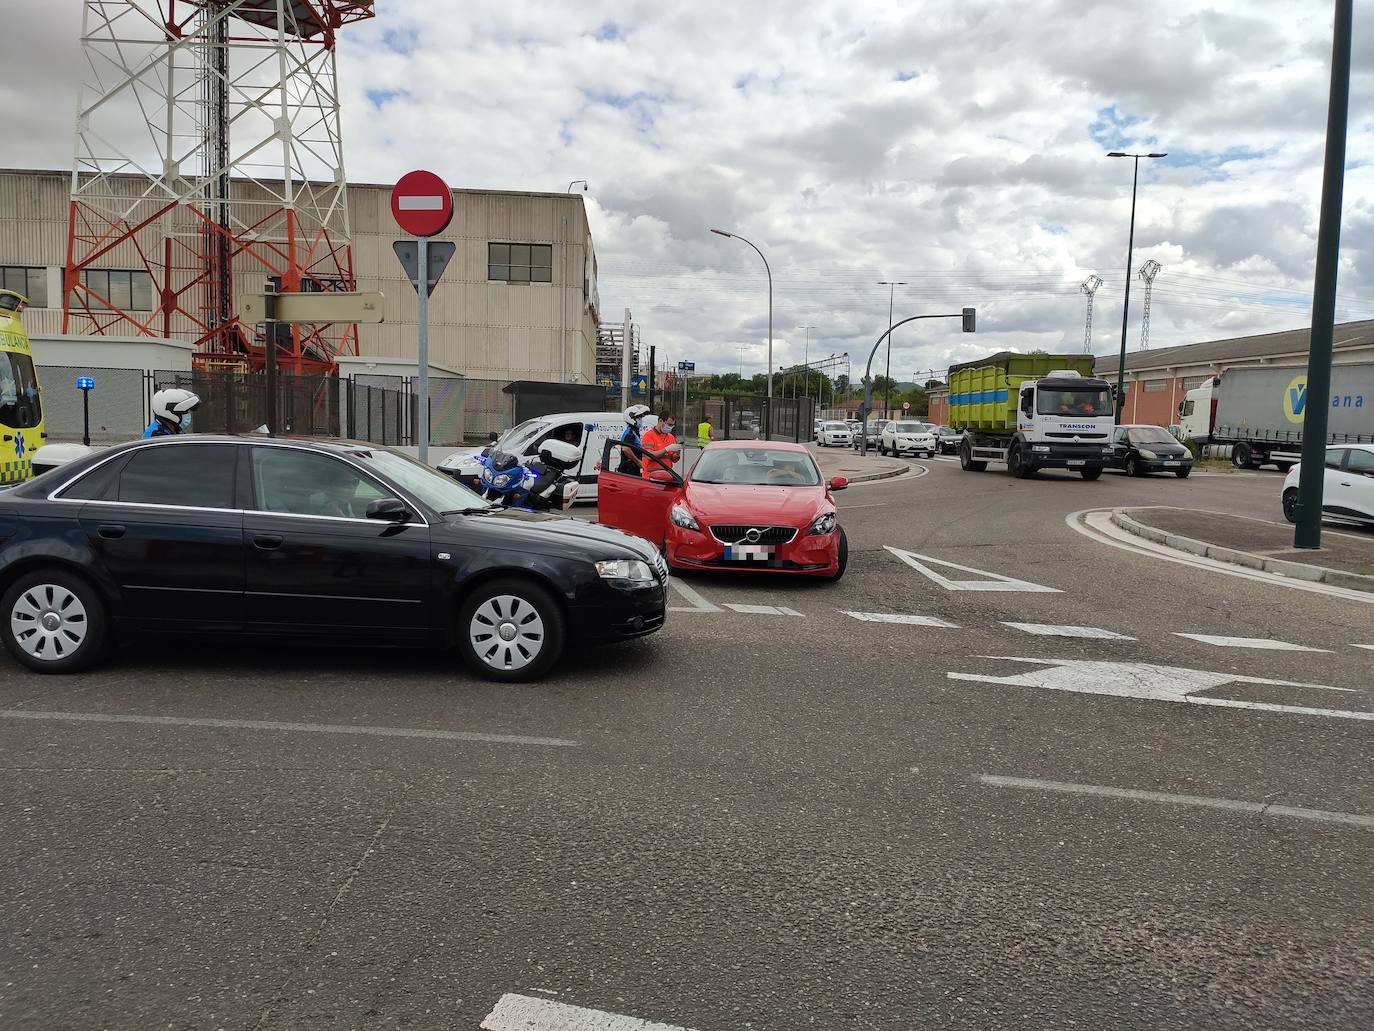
(1049, 630)
(1097, 525)
(699, 604)
(995, 581)
(1368, 647)
(526, 1013)
(308, 728)
(1151, 682)
(762, 610)
(1258, 808)
(899, 617)
(1251, 642)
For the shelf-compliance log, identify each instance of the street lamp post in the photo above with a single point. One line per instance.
(585, 185)
(887, 391)
(1126, 304)
(768, 417)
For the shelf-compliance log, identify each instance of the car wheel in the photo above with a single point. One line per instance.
(1284, 467)
(1132, 466)
(843, 558)
(510, 631)
(1290, 504)
(54, 622)
(1182, 474)
(1090, 474)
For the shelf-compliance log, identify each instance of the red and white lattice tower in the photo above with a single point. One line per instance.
(209, 157)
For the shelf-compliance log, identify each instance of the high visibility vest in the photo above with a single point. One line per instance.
(703, 434)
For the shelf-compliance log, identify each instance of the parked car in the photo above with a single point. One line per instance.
(1348, 490)
(899, 438)
(948, 440)
(835, 434)
(816, 429)
(305, 540)
(761, 506)
(874, 431)
(1141, 450)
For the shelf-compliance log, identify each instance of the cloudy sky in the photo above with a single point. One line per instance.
(958, 146)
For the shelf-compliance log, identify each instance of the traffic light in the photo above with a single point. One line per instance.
(969, 319)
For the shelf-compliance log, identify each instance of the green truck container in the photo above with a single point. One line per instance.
(982, 394)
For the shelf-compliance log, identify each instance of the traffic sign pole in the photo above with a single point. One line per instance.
(423, 350)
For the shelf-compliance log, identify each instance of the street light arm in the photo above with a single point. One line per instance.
(868, 369)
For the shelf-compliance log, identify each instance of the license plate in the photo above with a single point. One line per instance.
(1173, 463)
(1078, 461)
(748, 552)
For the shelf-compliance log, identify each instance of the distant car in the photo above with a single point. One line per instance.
(816, 429)
(874, 431)
(1348, 493)
(948, 439)
(899, 438)
(1140, 450)
(835, 434)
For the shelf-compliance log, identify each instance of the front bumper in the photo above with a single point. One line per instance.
(1067, 456)
(913, 446)
(610, 611)
(804, 555)
(1165, 465)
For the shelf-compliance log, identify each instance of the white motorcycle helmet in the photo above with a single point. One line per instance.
(559, 454)
(634, 413)
(172, 406)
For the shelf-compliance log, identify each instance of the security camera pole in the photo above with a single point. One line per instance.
(969, 317)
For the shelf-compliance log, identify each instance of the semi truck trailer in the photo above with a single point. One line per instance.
(1032, 411)
(1257, 412)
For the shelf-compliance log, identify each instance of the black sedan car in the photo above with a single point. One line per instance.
(948, 440)
(1148, 449)
(301, 539)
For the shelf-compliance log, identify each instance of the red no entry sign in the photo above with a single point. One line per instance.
(421, 203)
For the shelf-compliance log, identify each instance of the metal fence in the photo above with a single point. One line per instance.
(743, 417)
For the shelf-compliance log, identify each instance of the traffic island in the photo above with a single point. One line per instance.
(859, 468)
(1345, 559)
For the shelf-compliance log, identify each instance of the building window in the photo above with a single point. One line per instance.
(1193, 382)
(520, 262)
(125, 289)
(1154, 386)
(31, 282)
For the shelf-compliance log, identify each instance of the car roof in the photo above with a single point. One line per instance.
(775, 445)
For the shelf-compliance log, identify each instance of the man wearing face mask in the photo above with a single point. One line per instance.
(661, 448)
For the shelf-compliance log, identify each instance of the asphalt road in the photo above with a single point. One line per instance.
(753, 819)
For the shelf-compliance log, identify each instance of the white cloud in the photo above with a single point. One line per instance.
(956, 144)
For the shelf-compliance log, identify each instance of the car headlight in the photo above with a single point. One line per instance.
(823, 523)
(1040, 448)
(682, 516)
(1146, 453)
(628, 569)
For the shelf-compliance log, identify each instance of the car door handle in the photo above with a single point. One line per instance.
(268, 541)
(111, 531)
(1345, 483)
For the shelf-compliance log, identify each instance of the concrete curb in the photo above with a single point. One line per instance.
(887, 474)
(1293, 570)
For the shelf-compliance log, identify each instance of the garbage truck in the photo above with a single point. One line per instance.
(1257, 411)
(1030, 412)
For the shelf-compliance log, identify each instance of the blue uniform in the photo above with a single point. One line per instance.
(156, 429)
(629, 464)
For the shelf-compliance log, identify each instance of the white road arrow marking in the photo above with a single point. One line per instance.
(762, 610)
(1144, 680)
(526, 1013)
(1368, 647)
(1250, 642)
(1049, 630)
(698, 603)
(994, 581)
(899, 617)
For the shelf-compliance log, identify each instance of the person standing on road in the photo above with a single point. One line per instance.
(630, 440)
(661, 448)
(705, 431)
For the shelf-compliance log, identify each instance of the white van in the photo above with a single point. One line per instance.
(588, 430)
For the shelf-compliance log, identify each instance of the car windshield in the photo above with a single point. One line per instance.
(441, 493)
(1151, 435)
(909, 427)
(836, 426)
(1082, 401)
(517, 438)
(757, 467)
(21, 407)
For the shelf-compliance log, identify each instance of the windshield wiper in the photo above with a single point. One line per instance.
(470, 510)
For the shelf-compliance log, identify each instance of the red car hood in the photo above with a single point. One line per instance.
(757, 506)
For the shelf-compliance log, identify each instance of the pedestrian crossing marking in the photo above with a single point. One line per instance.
(1250, 642)
(900, 617)
(762, 610)
(1050, 630)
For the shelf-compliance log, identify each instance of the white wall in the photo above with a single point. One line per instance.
(87, 352)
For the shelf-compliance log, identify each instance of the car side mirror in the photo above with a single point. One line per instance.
(388, 510)
(839, 482)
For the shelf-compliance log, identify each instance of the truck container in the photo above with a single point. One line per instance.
(1031, 411)
(1257, 412)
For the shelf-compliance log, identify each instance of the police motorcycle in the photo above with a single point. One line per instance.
(536, 485)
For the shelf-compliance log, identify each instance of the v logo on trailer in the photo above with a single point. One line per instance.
(1155, 683)
(993, 581)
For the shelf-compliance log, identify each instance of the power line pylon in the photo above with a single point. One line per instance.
(1147, 272)
(1089, 287)
(207, 149)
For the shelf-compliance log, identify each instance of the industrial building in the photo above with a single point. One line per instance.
(518, 301)
(1157, 380)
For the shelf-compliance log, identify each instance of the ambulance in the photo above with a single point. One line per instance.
(21, 398)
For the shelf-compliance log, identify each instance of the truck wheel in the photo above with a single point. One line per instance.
(1242, 457)
(966, 461)
(1090, 474)
(1017, 464)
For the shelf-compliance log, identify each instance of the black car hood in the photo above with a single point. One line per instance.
(548, 533)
